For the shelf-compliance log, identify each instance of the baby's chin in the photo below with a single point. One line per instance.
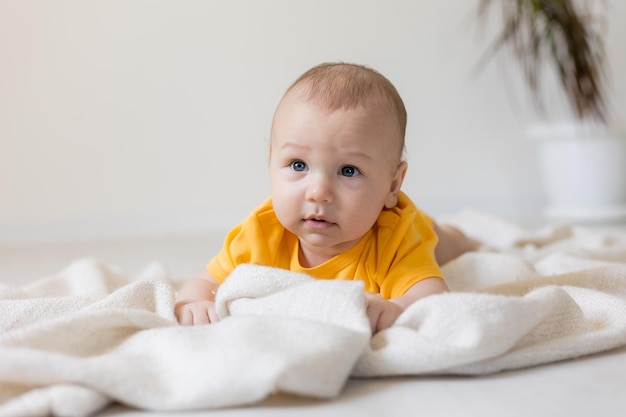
(325, 245)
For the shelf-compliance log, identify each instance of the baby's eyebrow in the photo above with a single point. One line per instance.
(357, 154)
(343, 153)
(293, 147)
(290, 144)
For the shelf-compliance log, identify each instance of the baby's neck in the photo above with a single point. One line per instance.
(310, 259)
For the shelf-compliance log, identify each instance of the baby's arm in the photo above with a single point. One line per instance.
(195, 301)
(383, 313)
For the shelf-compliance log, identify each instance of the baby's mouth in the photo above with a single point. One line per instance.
(317, 221)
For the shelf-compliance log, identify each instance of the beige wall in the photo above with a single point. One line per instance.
(149, 117)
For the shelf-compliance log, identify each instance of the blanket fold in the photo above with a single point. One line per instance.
(73, 342)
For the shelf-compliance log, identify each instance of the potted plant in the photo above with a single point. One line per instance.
(584, 165)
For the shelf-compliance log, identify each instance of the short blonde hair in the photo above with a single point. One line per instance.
(338, 85)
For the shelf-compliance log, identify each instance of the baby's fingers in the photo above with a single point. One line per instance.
(199, 315)
(212, 313)
(193, 314)
(381, 313)
(387, 319)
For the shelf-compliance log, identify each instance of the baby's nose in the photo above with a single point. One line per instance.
(320, 189)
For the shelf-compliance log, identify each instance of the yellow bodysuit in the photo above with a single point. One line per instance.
(397, 252)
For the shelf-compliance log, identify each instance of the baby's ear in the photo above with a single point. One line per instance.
(396, 185)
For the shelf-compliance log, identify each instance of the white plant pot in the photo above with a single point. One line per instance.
(584, 170)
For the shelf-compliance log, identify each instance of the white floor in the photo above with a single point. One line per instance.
(182, 255)
(593, 385)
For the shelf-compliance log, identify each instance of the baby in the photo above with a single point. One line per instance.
(336, 209)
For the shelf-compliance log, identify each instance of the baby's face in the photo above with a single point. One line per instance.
(332, 172)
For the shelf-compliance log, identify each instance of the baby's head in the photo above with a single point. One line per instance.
(347, 86)
(336, 156)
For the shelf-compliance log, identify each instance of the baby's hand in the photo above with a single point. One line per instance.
(380, 312)
(196, 312)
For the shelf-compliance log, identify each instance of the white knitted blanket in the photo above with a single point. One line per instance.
(87, 336)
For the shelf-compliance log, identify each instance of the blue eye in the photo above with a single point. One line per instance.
(298, 166)
(349, 171)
